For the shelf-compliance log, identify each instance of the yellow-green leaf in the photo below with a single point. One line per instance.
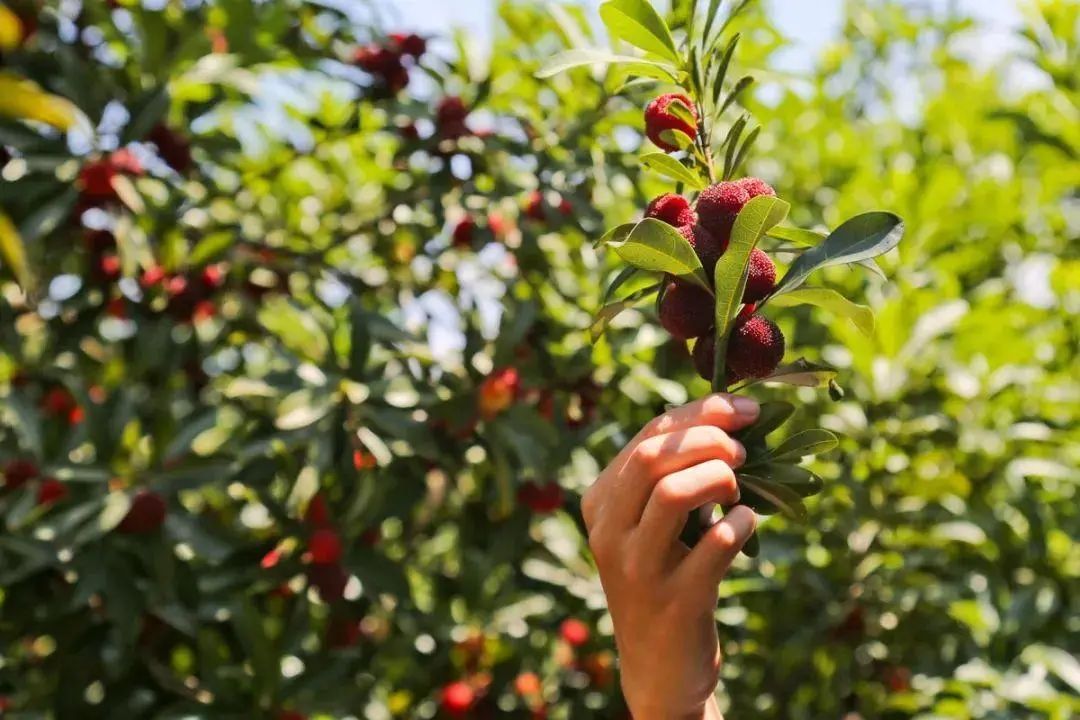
(13, 251)
(23, 99)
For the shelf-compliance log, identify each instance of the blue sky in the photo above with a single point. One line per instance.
(809, 23)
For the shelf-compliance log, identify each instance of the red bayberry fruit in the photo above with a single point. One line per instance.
(527, 684)
(329, 580)
(377, 60)
(146, 514)
(204, 310)
(660, 118)
(152, 276)
(686, 311)
(709, 246)
(325, 547)
(58, 402)
(498, 392)
(541, 499)
(496, 224)
(116, 308)
(574, 632)
(291, 715)
(534, 206)
(342, 632)
(108, 267)
(410, 44)
(18, 472)
(672, 209)
(761, 278)
(755, 348)
(704, 357)
(756, 187)
(173, 147)
(718, 205)
(450, 116)
(125, 162)
(51, 491)
(463, 233)
(272, 558)
(457, 698)
(317, 513)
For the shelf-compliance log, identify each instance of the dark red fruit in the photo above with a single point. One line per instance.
(659, 118)
(708, 245)
(463, 233)
(329, 580)
(325, 547)
(574, 632)
(672, 209)
(146, 514)
(61, 404)
(51, 491)
(704, 355)
(410, 44)
(718, 205)
(317, 512)
(755, 348)
(18, 472)
(541, 499)
(376, 60)
(457, 698)
(686, 311)
(450, 116)
(173, 147)
(761, 278)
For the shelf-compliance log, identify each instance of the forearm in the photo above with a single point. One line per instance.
(711, 711)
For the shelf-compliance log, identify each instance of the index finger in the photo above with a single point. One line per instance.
(725, 411)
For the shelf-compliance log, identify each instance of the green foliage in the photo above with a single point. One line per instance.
(936, 575)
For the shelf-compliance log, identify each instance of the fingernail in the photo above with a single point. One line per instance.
(744, 406)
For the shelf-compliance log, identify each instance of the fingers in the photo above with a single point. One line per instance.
(710, 559)
(662, 455)
(679, 493)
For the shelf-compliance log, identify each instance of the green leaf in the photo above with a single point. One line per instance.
(580, 57)
(740, 86)
(710, 18)
(798, 479)
(636, 22)
(296, 329)
(731, 142)
(753, 221)
(860, 238)
(810, 238)
(669, 167)
(808, 442)
(722, 68)
(624, 276)
(146, 112)
(802, 372)
(12, 251)
(606, 314)
(783, 498)
(771, 416)
(655, 246)
(861, 316)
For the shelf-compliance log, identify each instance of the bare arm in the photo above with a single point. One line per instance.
(662, 594)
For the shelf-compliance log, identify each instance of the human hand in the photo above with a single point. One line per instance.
(661, 593)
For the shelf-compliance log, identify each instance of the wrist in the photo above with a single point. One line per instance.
(709, 711)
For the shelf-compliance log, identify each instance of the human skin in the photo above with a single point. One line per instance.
(661, 593)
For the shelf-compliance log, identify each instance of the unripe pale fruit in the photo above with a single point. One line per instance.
(672, 209)
(146, 514)
(718, 205)
(686, 311)
(755, 348)
(659, 118)
(761, 278)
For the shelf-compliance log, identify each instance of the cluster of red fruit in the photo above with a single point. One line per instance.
(756, 344)
(389, 60)
(20, 471)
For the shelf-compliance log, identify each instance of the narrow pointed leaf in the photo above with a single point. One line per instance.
(771, 416)
(608, 313)
(655, 246)
(860, 238)
(638, 23)
(861, 316)
(669, 167)
(802, 444)
(581, 57)
(810, 238)
(786, 500)
(24, 100)
(722, 68)
(13, 252)
(802, 373)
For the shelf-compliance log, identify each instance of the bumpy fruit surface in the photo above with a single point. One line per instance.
(686, 311)
(462, 235)
(761, 278)
(755, 187)
(542, 499)
(672, 209)
(718, 205)
(411, 44)
(755, 348)
(704, 356)
(146, 514)
(659, 118)
(708, 245)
